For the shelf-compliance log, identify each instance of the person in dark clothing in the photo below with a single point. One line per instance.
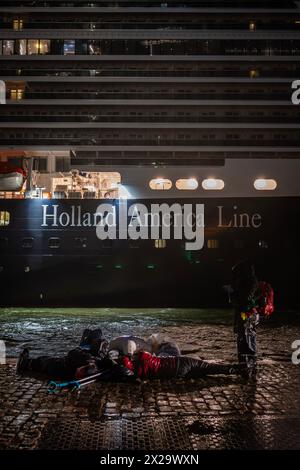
(88, 359)
(244, 298)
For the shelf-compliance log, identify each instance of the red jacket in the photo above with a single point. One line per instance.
(148, 366)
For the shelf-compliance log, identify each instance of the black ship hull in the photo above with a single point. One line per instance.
(69, 266)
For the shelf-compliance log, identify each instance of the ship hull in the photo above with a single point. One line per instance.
(46, 264)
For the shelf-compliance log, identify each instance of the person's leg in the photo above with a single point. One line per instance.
(246, 341)
(51, 366)
(189, 367)
(60, 366)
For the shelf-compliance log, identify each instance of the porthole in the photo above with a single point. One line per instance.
(160, 184)
(27, 242)
(54, 242)
(262, 184)
(212, 184)
(188, 184)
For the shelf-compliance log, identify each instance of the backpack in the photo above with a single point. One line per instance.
(265, 299)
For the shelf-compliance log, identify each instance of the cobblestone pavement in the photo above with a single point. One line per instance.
(215, 413)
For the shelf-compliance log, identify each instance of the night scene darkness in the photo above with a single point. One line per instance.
(149, 232)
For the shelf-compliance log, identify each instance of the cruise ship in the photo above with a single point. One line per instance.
(140, 103)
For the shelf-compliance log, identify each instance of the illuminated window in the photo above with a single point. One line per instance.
(16, 94)
(213, 244)
(160, 184)
(252, 26)
(159, 243)
(254, 73)
(17, 25)
(38, 46)
(212, 184)
(8, 47)
(69, 47)
(188, 184)
(4, 218)
(21, 47)
(265, 184)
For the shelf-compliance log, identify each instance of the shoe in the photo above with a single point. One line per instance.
(240, 369)
(23, 361)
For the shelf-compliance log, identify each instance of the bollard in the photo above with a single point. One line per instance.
(2, 352)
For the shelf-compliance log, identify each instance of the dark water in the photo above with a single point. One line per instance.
(57, 330)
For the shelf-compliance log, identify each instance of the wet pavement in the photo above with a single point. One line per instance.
(212, 413)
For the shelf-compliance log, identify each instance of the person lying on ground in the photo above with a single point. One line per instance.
(142, 365)
(156, 344)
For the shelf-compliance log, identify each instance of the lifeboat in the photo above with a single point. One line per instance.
(11, 177)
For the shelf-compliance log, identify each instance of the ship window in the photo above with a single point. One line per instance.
(40, 164)
(253, 73)
(159, 243)
(8, 47)
(188, 184)
(17, 25)
(16, 94)
(265, 184)
(212, 184)
(54, 242)
(69, 47)
(160, 184)
(213, 244)
(38, 46)
(80, 242)
(4, 218)
(27, 242)
(263, 244)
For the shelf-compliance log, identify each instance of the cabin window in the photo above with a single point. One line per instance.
(159, 243)
(80, 242)
(160, 184)
(69, 47)
(187, 184)
(16, 94)
(4, 218)
(17, 24)
(27, 242)
(265, 184)
(54, 242)
(213, 244)
(212, 184)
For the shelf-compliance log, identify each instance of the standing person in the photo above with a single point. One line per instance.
(245, 298)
